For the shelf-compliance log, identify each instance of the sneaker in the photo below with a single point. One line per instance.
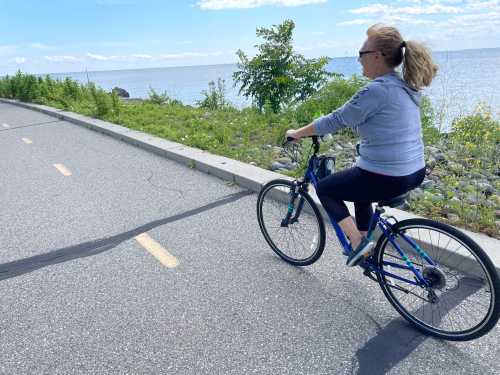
(364, 247)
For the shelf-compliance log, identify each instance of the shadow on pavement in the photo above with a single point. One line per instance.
(399, 339)
(90, 248)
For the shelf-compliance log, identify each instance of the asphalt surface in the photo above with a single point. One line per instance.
(80, 295)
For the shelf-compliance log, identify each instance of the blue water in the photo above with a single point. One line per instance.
(465, 79)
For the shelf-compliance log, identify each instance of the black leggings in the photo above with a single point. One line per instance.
(362, 187)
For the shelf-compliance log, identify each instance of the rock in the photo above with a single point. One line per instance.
(276, 151)
(473, 198)
(437, 197)
(477, 175)
(284, 160)
(405, 206)
(454, 218)
(283, 166)
(485, 188)
(440, 158)
(253, 163)
(416, 193)
(122, 93)
(427, 184)
(431, 163)
(456, 167)
(433, 150)
(277, 165)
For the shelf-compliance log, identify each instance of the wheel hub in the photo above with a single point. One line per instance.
(435, 277)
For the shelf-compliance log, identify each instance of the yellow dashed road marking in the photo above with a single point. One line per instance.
(27, 141)
(156, 250)
(61, 168)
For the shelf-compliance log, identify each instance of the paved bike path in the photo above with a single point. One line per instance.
(81, 295)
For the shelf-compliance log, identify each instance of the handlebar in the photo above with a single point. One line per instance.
(315, 140)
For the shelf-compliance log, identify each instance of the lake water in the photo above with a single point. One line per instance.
(465, 79)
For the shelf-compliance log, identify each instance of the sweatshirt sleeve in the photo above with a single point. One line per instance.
(357, 110)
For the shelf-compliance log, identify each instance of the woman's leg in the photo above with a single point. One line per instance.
(330, 192)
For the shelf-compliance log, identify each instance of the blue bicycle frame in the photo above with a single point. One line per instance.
(386, 229)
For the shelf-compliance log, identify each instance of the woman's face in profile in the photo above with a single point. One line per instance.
(369, 58)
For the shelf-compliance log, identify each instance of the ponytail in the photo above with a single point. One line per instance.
(418, 68)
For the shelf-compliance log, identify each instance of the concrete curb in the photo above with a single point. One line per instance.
(242, 174)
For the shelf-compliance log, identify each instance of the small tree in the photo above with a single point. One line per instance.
(277, 76)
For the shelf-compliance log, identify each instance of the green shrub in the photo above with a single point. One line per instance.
(478, 134)
(156, 98)
(330, 97)
(215, 97)
(430, 133)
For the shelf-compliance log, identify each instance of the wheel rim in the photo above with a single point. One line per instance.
(466, 302)
(299, 241)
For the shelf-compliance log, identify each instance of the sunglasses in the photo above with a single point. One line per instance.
(361, 53)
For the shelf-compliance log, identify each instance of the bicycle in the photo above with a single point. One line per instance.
(450, 292)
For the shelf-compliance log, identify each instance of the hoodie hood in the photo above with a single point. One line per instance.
(395, 79)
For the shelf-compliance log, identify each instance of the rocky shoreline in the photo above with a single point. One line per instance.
(451, 191)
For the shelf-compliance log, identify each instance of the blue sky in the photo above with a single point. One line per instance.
(73, 35)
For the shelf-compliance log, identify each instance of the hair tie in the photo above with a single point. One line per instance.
(403, 44)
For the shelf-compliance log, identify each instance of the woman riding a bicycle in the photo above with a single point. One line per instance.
(386, 115)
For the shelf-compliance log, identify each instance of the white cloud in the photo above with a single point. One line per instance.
(39, 46)
(62, 58)
(7, 50)
(245, 4)
(378, 9)
(93, 56)
(184, 55)
(20, 60)
(484, 5)
(142, 56)
(357, 22)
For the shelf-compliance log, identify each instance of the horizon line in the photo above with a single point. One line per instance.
(218, 64)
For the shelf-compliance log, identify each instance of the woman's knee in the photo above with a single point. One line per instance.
(321, 190)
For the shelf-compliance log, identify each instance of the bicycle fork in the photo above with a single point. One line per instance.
(294, 192)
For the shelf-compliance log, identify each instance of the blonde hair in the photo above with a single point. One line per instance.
(418, 68)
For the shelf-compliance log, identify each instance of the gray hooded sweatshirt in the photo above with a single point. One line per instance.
(386, 115)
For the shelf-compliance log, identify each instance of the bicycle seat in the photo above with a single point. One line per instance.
(394, 202)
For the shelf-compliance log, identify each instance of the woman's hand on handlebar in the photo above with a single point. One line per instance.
(292, 136)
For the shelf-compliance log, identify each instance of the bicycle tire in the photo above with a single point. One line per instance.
(471, 280)
(264, 197)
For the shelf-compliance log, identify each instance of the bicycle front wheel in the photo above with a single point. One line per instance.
(299, 241)
(463, 300)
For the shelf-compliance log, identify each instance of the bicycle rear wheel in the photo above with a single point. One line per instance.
(463, 302)
(299, 242)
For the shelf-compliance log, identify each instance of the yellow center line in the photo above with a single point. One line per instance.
(61, 168)
(156, 250)
(27, 141)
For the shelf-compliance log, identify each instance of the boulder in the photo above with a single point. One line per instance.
(122, 93)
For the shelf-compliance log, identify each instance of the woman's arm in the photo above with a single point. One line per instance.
(305, 131)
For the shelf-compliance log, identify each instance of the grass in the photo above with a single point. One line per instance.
(251, 136)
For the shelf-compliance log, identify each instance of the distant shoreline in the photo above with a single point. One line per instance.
(234, 63)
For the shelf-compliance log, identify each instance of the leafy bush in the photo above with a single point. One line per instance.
(478, 134)
(215, 97)
(330, 97)
(430, 133)
(156, 98)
